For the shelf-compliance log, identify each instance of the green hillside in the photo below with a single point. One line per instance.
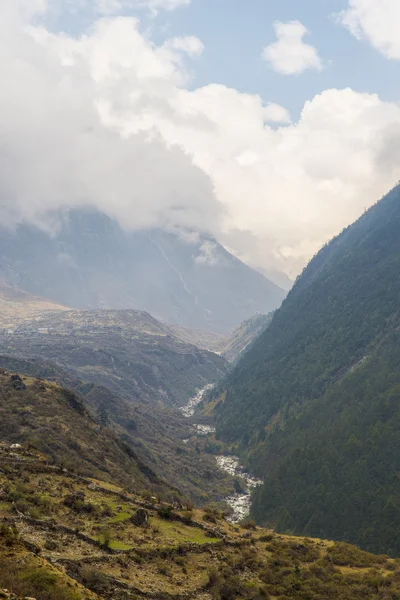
(64, 537)
(313, 405)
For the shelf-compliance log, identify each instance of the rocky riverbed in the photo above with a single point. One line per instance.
(189, 409)
(240, 502)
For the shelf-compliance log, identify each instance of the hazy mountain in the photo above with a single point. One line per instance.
(279, 278)
(190, 280)
(234, 345)
(314, 405)
(229, 346)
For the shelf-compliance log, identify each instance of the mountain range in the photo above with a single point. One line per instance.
(90, 262)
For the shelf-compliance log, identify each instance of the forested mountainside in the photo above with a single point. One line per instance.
(91, 262)
(128, 351)
(154, 433)
(313, 406)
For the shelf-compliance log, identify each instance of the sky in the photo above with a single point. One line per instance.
(270, 125)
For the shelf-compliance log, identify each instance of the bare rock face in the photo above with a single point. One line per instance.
(140, 518)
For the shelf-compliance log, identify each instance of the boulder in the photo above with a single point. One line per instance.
(17, 383)
(140, 518)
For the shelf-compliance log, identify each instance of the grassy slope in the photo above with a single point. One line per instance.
(55, 550)
(54, 421)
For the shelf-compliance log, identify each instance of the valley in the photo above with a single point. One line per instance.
(240, 501)
(143, 459)
(199, 300)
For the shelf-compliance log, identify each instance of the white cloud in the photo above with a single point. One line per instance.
(208, 254)
(57, 152)
(108, 7)
(109, 120)
(376, 21)
(290, 55)
(191, 45)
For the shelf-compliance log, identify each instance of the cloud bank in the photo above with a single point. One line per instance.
(109, 120)
(377, 22)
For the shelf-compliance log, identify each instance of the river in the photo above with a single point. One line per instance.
(189, 409)
(241, 502)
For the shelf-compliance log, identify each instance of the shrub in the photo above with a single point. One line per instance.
(35, 582)
(250, 525)
(165, 512)
(94, 580)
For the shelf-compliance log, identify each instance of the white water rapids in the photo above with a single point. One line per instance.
(240, 502)
(189, 409)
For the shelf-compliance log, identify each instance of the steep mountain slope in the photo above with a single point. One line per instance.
(54, 421)
(153, 433)
(127, 351)
(17, 306)
(91, 263)
(69, 538)
(313, 405)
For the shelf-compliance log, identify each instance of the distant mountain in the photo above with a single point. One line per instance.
(229, 346)
(235, 345)
(314, 406)
(127, 351)
(279, 278)
(91, 262)
(16, 306)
